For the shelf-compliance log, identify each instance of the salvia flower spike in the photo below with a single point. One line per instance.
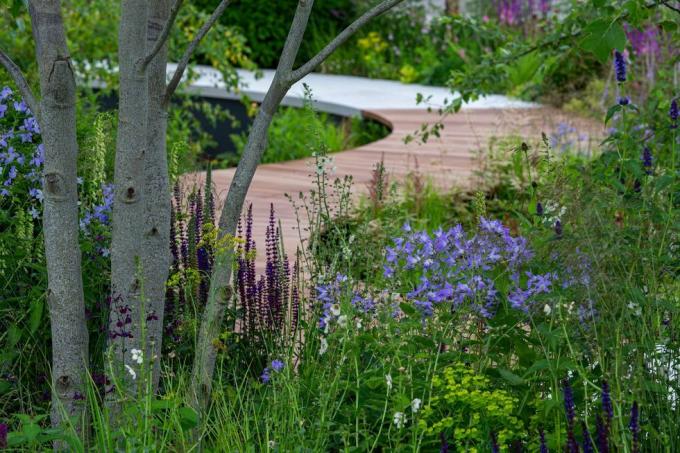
(620, 66)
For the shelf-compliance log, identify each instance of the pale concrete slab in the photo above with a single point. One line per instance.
(340, 94)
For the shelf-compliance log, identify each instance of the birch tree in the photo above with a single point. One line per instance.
(284, 78)
(141, 214)
(56, 114)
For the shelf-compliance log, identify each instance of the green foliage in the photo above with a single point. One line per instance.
(470, 410)
(296, 133)
(265, 25)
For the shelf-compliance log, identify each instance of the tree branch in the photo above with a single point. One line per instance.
(671, 7)
(347, 33)
(21, 82)
(184, 61)
(165, 34)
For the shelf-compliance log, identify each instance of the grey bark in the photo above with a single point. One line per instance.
(156, 249)
(127, 285)
(156, 243)
(60, 221)
(220, 288)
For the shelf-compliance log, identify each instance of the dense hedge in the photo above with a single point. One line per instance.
(265, 24)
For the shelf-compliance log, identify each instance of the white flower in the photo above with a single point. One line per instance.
(415, 405)
(272, 444)
(324, 346)
(637, 311)
(131, 371)
(335, 310)
(547, 310)
(137, 356)
(399, 419)
(342, 321)
(359, 324)
(388, 380)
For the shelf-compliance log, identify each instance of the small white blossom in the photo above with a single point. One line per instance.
(359, 324)
(415, 405)
(342, 321)
(131, 371)
(635, 308)
(547, 310)
(335, 310)
(399, 419)
(388, 380)
(324, 346)
(137, 356)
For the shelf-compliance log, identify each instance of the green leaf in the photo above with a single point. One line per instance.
(511, 377)
(601, 37)
(408, 309)
(35, 315)
(188, 418)
(611, 112)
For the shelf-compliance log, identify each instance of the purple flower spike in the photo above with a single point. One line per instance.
(572, 446)
(3, 435)
(607, 406)
(443, 444)
(647, 160)
(543, 446)
(602, 434)
(673, 113)
(634, 427)
(587, 440)
(619, 66)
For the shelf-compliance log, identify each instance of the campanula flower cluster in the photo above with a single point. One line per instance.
(461, 270)
(21, 153)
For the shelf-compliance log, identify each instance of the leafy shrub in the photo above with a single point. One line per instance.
(265, 25)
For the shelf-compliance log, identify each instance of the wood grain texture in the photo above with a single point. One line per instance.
(449, 160)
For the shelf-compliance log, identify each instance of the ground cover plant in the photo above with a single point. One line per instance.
(537, 312)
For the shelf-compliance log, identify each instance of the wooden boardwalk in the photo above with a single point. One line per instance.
(449, 160)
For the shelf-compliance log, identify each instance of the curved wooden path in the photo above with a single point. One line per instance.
(448, 160)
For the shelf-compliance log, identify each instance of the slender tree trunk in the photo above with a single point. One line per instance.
(156, 247)
(220, 287)
(128, 313)
(60, 222)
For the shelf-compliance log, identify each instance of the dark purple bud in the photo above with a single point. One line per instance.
(3, 435)
(623, 100)
(539, 208)
(602, 434)
(619, 66)
(647, 160)
(634, 427)
(443, 444)
(569, 409)
(558, 228)
(674, 113)
(587, 440)
(494, 444)
(607, 407)
(543, 446)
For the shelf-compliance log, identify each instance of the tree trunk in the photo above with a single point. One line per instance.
(60, 222)
(220, 285)
(128, 313)
(156, 247)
